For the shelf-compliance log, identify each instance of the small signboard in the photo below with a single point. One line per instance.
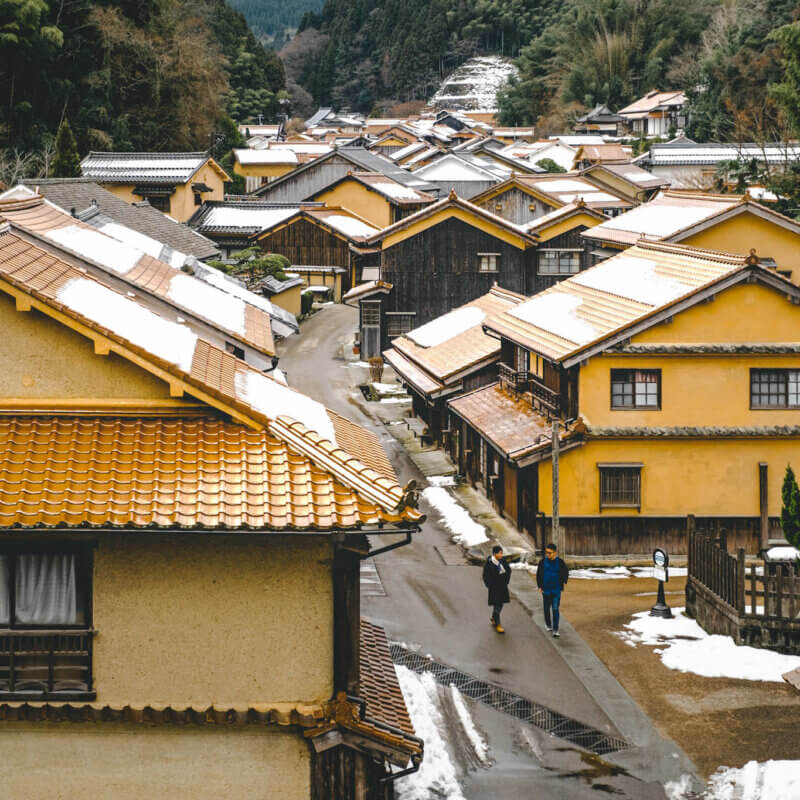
(660, 565)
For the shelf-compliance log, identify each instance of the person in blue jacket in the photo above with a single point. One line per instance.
(551, 578)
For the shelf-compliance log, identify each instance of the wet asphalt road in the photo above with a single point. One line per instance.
(441, 610)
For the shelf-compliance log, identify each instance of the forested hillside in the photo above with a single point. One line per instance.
(132, 75)
(271, 19)
(572, 54)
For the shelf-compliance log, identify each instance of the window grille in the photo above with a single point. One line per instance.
(620, 486)
(559, 262)
(775, 388)
(635, 388)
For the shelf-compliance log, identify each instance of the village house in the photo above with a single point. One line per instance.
(239, 324)
(670, 371)
(445, 255)
(627, 180)
(307, 179)
(466, 174)
(656, 114)
(523, 198)
(601, 120)
(263, 165)
(175, 183)
(588, 155)
(179, 574)
(690, 165)
(82, 193)
(373, 196)
(733, 223)
(447, 356)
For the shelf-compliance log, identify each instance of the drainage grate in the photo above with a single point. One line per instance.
(501, 699)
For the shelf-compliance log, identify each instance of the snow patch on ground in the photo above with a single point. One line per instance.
(388, 388)
(474, 85)
(437, 777)
(454, 517)
(784, 553)
(442, 480)
(770, 780)
(686, 647)
(615, 573)
(479, 744)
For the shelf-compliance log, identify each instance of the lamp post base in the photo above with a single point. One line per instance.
(661, 609)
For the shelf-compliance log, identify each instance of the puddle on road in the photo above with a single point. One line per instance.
(596, 768)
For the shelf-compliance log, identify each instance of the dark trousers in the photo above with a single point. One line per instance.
(552, 600)
(496, 609)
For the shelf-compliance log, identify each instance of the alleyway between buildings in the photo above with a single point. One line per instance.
(430, 599)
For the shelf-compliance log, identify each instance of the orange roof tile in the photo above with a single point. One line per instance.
(203, 472)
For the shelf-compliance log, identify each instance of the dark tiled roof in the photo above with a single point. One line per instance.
(156, 169)
(80, 193)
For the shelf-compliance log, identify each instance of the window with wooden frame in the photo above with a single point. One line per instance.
(399, 322)
(553, 261)
(160, 202)
(775, 388)
(620, 485)
(45, 621)
(635, 388)
(489, 262)
(370, 313)
(234, 349)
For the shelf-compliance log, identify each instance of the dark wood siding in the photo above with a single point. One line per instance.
(306, 243)
(569, 240)
(438, 269)
(344, 774)
(516, 206)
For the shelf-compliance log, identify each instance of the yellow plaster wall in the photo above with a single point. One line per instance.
(741, 233)
(289, 299)
(202, 619)
(41, 358)
(262, 170)
(119, 761)
(707, 477)
(181, 202)
(357, 198)
(616, 184)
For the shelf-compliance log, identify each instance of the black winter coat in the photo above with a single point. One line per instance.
(495, 582)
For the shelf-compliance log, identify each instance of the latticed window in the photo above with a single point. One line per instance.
(559, 262)
(399, 323)
(620, 485)
(489, 261)
(370, 313)
(635, 388)
(775, 388)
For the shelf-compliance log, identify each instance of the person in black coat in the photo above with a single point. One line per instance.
(496, 575)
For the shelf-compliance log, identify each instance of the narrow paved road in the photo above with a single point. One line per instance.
(442, 611)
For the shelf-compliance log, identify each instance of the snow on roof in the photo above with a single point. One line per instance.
(397, 191)
(407, 150)
(98, 247)
(556, 312)
(455, 169)
(171, 341)
(565, 185)
(301, 147)
(447, 326)
(143, 242)
(275, 156)
(635, 278)
(349, 226)
(274, 400)
(692, 153)
(207, 301)
(142, 167)
(660, 219)
(238, 217)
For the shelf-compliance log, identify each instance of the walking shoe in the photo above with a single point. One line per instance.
(548, 628)
(492, 621)
(556, 634)
(499, 628)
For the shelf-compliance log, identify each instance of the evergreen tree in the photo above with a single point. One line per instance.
(67, 162)
(790, 512)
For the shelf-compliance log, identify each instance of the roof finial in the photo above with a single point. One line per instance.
(452, 195)
(581, 203)
(752, 260)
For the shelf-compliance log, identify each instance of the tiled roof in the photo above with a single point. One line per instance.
(636, 176)
(653, 100)
(379, 685)
(504, 418)
(244, 217)
(560, 189)
(603, 152)
(166, 473)
(80, 193)
(559, 214)
(694, 153)
(392, 190)
(233, 316)
(466, 349)
(366, 289)
(411, 374)
(662, 217)
(606, 299)
(166, 169)
(214, 376)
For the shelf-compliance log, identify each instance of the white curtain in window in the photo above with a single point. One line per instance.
(4, 590)
(45, 590)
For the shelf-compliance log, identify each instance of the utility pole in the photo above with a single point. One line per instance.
(555, 440)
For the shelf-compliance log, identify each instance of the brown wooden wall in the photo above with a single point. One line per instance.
(516, 206)
(570, 239)
(344, 774)
(438, 269)
(306, 243)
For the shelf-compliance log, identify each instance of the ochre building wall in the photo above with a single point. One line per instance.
(119, 761)
(212, 619)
